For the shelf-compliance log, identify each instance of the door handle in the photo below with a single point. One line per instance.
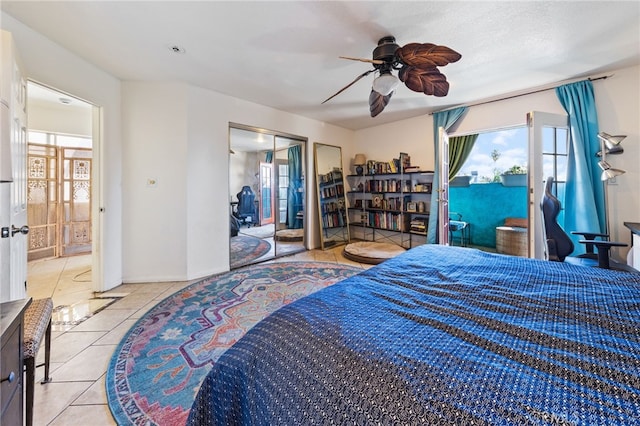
(23, 230)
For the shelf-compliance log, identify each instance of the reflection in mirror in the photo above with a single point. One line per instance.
(266, 195)
(334, 229)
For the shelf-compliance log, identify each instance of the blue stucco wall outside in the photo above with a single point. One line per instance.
(485, 206)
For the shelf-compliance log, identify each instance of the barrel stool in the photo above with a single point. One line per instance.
(37, 324)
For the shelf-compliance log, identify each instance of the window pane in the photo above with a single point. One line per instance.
(563, 141)
(38, 137)
(548, 140)
(548, 166)
(73, 141)
(562, 168)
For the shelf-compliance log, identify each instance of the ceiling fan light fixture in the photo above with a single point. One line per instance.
(385, 83)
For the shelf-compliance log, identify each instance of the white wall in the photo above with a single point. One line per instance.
(243, 167)
(155, 148)
(617, 103)
(65, 119)
(178, 135)
(383, 143)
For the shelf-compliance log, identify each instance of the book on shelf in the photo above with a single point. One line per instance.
(418, 225)
(412, 169)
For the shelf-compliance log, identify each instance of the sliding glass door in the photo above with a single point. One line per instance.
(266, 194)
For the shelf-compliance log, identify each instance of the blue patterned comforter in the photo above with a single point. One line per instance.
(440, 335)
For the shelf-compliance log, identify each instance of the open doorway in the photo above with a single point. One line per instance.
(489, 193)
(59, 194)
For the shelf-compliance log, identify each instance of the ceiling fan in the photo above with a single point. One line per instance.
(417, 65)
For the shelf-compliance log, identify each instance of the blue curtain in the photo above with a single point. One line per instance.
(268, 158)
(444, 119)
(584, 205)
(295, 189)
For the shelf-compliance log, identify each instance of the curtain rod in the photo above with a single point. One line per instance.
(604, 77)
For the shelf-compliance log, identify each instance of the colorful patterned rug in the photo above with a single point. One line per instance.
(158, 367)
(245, 249)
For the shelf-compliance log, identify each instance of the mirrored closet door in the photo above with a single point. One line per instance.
(266, 194)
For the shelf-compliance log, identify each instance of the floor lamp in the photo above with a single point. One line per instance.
(608, 145)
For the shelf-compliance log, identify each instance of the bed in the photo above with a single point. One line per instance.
(440, 335)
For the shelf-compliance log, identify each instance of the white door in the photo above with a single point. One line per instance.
(443, 192)
(542, 126)
(14, 218)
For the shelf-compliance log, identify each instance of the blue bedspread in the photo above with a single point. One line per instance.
(440, 335)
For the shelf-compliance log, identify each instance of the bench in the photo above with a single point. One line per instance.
(37, 324)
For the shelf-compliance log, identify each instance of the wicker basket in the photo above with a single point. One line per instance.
(512, 240)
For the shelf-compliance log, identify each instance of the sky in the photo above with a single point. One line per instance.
(510, 143)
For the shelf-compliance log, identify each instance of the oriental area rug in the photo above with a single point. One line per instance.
(156, 370)
(245, 249)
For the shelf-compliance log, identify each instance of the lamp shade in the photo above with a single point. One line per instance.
(385, 83)
(612, 143)
(608, 172)
(359, 160)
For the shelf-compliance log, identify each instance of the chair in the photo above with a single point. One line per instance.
(37, 324)
(246, 205)
(559, 245)
(458, 225)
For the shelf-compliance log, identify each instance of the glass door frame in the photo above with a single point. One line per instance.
(273, 139)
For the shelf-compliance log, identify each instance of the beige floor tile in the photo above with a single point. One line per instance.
(133, 301)
(88, 365)
(115, 336)
(325, 256)
(95, 395)
(67, 345)
(154, 288)
(80, 415)
(39, 374)
(143, 310)
(71, 297)
(105, 320)
(53, 398)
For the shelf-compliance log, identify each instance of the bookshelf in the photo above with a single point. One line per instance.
(390, 206)
(333, 211)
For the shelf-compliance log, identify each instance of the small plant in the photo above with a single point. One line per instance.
(516, 170)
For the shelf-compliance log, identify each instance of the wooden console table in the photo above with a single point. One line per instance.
(11, 362)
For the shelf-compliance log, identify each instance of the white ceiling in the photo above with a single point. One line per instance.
(285, 54)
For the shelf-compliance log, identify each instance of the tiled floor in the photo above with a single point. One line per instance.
(81, 350)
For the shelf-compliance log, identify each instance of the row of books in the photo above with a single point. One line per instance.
(333, 220)
(388, 185)
(331, 207)
(391, 203)
(330, 177)
(387, 220)
(419, 225)
(332, 191)
(383, 167)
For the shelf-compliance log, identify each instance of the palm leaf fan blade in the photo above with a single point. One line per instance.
(429, 81)
(364, 74)
(427, 55)
(377, 102)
